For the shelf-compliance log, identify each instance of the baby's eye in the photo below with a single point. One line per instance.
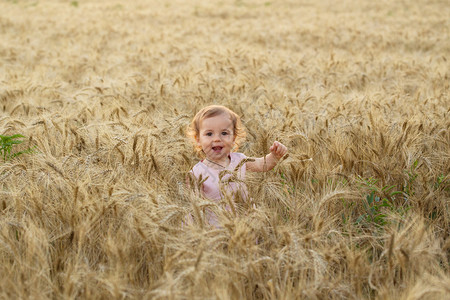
(209, 134)
(224, 133)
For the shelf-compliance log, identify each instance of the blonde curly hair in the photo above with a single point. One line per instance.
(193, 130)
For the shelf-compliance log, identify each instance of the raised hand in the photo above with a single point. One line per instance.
(278, 150)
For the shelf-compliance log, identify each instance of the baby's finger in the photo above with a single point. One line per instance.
(279, 150)
(273, 147)
(282, 149)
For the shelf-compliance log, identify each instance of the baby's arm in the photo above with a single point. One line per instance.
(277, 151)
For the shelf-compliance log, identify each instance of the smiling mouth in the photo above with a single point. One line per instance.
(217, 148)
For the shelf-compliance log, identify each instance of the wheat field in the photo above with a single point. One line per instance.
(102, 92)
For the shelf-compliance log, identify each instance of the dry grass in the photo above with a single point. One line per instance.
(358, 91)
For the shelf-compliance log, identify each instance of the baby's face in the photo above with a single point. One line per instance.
(216, 137)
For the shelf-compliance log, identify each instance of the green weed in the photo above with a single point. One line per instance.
(380, 202)
(7, 143)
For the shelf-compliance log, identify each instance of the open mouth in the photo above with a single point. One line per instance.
(217, 148)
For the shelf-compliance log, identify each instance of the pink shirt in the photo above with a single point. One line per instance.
(211, 187)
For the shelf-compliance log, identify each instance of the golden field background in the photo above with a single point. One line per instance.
(357, 90)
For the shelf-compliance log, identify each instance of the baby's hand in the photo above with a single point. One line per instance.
(278, 150)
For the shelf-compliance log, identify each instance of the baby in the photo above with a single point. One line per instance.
(216, 131)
